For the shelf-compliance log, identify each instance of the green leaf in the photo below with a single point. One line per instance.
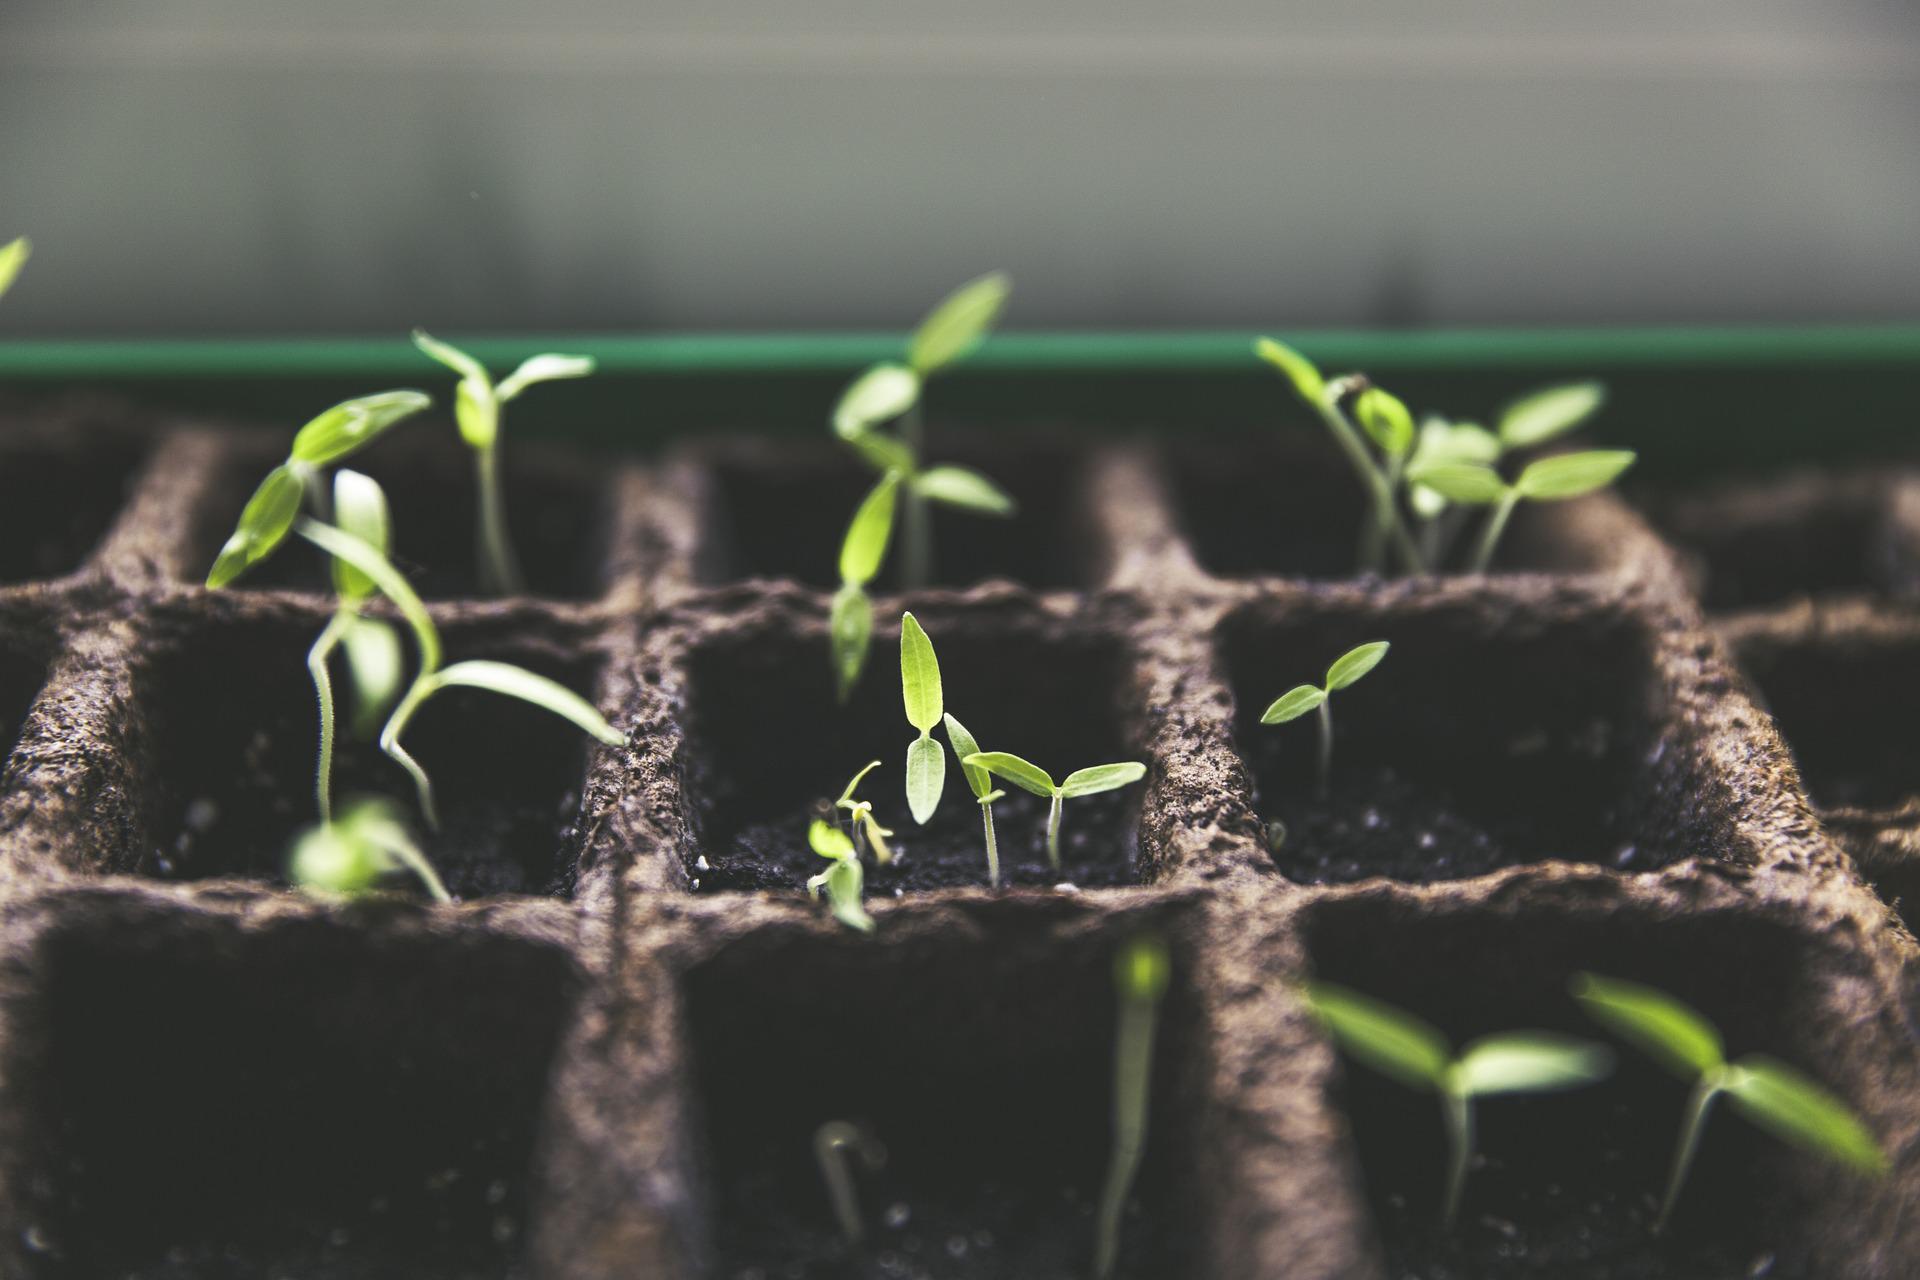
(542, 368)
(850, 631)
(957, 325)
(1142, 969)
(1529, 1062)
(1299, 370)
(1004, 764)
(1386, 419)
(1385, 1038)
(846, 796)
(353, 424)
(393, 586)
(881, 394)
(1543, 415)
(263, 526)
(377, 668)
(1101, 777)
(959, 487)
(13, 256)
(331, 860)
(517, 682)
(359, 508)
(1354, 663)
(377, 822)
(846, 881)
(926, 778)
(979, 781)
(828, 840)
(1443, 441)
(919, 676)
(1794, 1108)
(1464, 482)
(882, 452)
(1569, 475)
(865, 547)
(476, 410)
(451, 356)
(1654, 1022)
(1294, 703)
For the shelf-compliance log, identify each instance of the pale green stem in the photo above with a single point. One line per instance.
(323, 688)
(1132, 1077)
(1429, 539)
(390, 743)
(993, 845)
(1053, 830)
(1496, 525)
(1325, 775)
(1373, 535)
(499, 569)
(1457, 1108)
(1384, 508)
(916, 552)
(831, 1142)
(1691, 1127)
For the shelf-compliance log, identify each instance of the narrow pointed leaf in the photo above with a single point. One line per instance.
(846, 796)
(1794, 1108)
(543, 368)
(1101, 777)
(13, 256)
(1385, 1038)
(879, 395)
(1306, 379)
(1354, 663)
(263, 526)
(517, 682)
(865, 547)
(1569, 475)
(451, 356)
(359, 508)
(850, 631)
(1654, 1022)
(953, 328)
(926, 778)
(846, 882)
(1293, 704)
(392, 585)
(1467, 483)
(1530, 1062)
(919, 676)
(1004, 764)
(959, 487)
(1386, 420)
(882, 452)
(828, 840)
(351, 425)
(979, 781)
(1549, 413)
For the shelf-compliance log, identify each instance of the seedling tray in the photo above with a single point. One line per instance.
(608, 1058)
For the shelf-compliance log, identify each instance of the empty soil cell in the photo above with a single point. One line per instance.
(332, 1099)
(1275, 505)
(558, 516)
(1806, 534)
(769, 749)
(1567, 1185)
(230, 729)
(62, 482)
(982, 1063)
(781, 511)
(1497, 731)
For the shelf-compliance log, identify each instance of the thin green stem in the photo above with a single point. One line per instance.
(916, 552)
(1132, 1077)
(1698, 1104)
(1457, 1108)
(1373, 534)
(423, 686)
(1325, 775)
(1053, 830)
(831, 1143)
(323, 688)
(499, 568)
(1385, 510)
(993, 845)
(1496, 525)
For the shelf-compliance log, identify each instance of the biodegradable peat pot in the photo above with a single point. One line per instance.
(608, 1059)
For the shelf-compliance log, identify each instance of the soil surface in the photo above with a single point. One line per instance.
(55, 507)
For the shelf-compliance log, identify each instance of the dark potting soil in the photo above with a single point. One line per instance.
(56, 507)
(1849, 712)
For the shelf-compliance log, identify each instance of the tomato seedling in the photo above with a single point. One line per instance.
(844, 881)
(1302, 698)
(861, 822)
(349, 855)
(1141, 971)
(1081, 782)
(832, 1142)
(980, 782)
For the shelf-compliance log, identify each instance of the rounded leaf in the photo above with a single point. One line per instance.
(865, 547)
(1653, 1021)
(1467, 483)
(828, 840)
(476, 411)
(919, 676)
(264, 523)
(1792, 1107)
(1354, 663)
(956, 326)
(959, 487)
(333, 859)
(1306, 379)
(1543, 415)
(926, 778)
(1569, 475)
(353, 424)
(1529, 1062)
(1293, 704)
(1387, 1039)
(13, 256)
(979, 781)
(359, 508)
(881, 394)
(1385, 419)
(850, 631)
(1101, 777)
(1142, 968)
(1004, 764)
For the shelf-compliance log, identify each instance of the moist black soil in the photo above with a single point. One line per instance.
(56, 507)
(1849, 711)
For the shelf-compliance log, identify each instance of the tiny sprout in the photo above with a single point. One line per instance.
(1399, 1045)
(831, 1142)
(1553, 479)
(1081, 782)
(1140, 974)
(1297, 701)
(850, 627)
(860, 819)
(1770, 1093)
(980, 782)
(844, 881)
(476, 409)
(13, 256)
(920, 691)
(349, 855)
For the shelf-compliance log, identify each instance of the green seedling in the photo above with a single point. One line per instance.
(1768, 1092)
(920, 691)
(831, 1143)
(1553, 479)
(13, 256)
(349, 855)
(477, 404)
(1081, 782)
(861, 822)
(1408, 1050)
(892, 392)
(844, 880)
(1141, 971)
(1297, 701)
(980, 782)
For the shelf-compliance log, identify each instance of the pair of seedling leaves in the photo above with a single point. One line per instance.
(1346, 670)
(1768, 1092)
(1442, 465)
(889, 393)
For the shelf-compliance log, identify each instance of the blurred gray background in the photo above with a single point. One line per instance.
(263, 166)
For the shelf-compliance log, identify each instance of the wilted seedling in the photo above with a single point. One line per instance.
(1554, 479)
(920, 691)
(1140, 974)
(1300, 699)
(1405, 1048)
(1081, 782)
(860, 819)
(13, 256)
(1768, 1092)
(850, 627)
(980, 782)
(352, 853)
(844, 880)
(476, 409)
(831, 1143)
